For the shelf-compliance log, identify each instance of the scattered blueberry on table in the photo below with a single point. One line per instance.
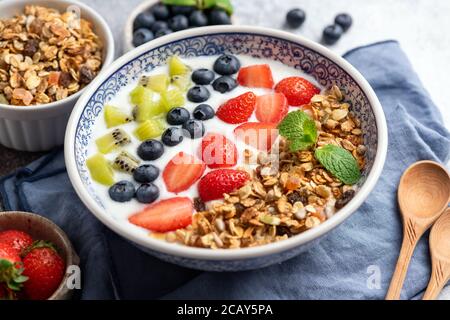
(295, 18)
(344, 20)
(332, 33)
(170, 16)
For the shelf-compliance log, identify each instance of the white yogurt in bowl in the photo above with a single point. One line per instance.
(122, 211)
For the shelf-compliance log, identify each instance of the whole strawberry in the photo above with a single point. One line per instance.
(44, 269)
(18, 240)
(11, 268)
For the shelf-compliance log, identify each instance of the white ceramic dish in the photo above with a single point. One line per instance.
(40, 128)
(317, 61)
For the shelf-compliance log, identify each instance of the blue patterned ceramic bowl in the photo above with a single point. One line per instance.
(326, 67)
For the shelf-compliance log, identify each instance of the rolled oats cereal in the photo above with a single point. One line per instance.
(46, 56)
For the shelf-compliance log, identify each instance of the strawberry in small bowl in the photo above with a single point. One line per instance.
(34, 256)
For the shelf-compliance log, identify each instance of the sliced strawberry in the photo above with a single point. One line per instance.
(257, 134)
(271, 108)
(237, 110)
(165, 215)
(256, 76)
(216, 183)
(297, 90)
(218, 152)
(182, 172)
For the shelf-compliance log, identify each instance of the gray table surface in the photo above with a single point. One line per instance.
(419, 25)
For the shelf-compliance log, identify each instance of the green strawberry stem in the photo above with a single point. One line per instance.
(11, 275)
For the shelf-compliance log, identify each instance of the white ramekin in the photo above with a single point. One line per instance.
(42, 127)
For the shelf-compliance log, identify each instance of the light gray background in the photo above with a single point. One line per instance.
(421, 26)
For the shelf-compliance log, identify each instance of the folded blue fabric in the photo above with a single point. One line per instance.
(345, 265)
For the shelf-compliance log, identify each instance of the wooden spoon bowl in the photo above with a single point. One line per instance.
(440, 256)
(423, 195)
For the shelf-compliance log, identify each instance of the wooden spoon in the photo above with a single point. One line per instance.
(423, 195)
(440, 256)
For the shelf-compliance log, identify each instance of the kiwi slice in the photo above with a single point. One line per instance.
(125, 162)
(115, 117)
(141, 95)
(145, 107)
(158, 82)
(172, 99)
(150, 129)
(100, 169)
(181, 82)
(113, 140)
(177, 67)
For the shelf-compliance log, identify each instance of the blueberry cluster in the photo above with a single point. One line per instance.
(163, 19)
(147, 192)
(331, 34)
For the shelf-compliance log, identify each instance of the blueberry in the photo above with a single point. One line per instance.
(332, 34)
(146, 173)
(122, 191)
(198, 19)
(193, 129)
(141, 36)
(178, 23)
(143, 20)
(182, 10)
(160, 11)
(198, 94)
(344, 20)
(226, 65)
(295, 18)
(159, 25)
(224, 84)
(162, 32)
(147, 193)
(177, 116)
(218, 16)
(204, 112)
(150, 150)
(172, 136)
(203, 76)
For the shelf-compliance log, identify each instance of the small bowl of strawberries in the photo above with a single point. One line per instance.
(34, 258)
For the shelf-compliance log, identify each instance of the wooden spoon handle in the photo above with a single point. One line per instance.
(439, 277)
(409, 243)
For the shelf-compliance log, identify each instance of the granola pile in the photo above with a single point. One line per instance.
(288, 194)
(46, 56)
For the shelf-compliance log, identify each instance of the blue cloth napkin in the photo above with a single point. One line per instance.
(345, 265)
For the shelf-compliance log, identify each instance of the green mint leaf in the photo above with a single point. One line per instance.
(190, 3)
(299, 129)
(339, 162)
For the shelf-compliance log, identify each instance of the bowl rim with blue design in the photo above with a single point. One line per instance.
(192, 41)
